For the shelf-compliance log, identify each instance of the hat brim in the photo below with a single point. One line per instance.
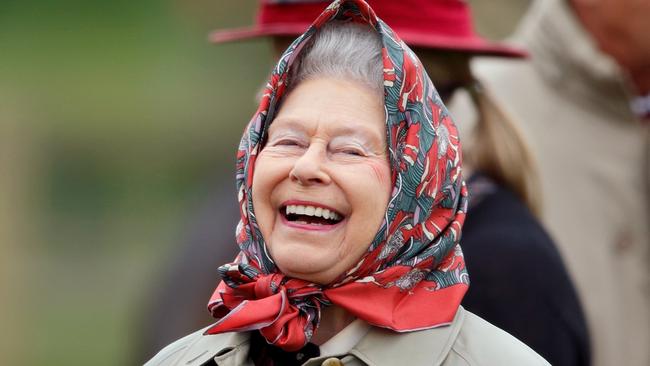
(473, 45)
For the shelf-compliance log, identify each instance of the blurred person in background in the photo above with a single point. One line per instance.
(519, 282)
(349, 248)
(583, 101)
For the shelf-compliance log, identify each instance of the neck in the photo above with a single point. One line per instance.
(612, 44)
(333, 320)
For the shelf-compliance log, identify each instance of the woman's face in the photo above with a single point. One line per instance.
(322, 181)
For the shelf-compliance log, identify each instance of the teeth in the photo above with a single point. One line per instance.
(312, 211)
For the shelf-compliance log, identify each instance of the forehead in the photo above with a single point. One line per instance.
(333, 104)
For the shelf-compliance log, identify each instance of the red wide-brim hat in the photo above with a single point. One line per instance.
(436, 24)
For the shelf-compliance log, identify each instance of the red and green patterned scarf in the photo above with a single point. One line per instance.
(413, 275)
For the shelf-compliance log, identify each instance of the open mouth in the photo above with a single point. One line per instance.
(310, 215)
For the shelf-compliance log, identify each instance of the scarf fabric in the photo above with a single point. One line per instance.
(413, 275)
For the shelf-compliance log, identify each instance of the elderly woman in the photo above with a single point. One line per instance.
(352, 203)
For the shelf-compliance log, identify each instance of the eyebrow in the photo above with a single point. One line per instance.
(365, 133)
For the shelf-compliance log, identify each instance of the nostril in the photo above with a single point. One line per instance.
(310, 169)
(293, 176)
(308, 176)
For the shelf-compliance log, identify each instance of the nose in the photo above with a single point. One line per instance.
(308, 168)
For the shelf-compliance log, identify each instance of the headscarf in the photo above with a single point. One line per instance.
(413, 275)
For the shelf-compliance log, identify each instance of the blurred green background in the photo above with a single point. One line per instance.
(115, 119)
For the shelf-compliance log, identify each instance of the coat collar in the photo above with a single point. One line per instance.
(205, 347)
(566, 55)
(380, 347)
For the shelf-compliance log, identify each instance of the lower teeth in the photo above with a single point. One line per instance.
(308, 223)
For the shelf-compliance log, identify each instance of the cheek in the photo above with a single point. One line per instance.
(269, 170)
(380, 171)
(267, 176)
(368, 200)
(367, 186)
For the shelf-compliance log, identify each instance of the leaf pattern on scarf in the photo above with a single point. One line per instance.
(414, 261)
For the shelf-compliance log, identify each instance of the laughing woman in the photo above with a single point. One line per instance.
(352, 203)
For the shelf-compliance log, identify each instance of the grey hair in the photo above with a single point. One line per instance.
(341, 50)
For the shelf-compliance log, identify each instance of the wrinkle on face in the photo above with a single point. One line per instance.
(332, 134)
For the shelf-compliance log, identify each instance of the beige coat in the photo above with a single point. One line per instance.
(573, 107)
(469, 340)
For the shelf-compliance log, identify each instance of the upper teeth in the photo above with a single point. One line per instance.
(312, 211)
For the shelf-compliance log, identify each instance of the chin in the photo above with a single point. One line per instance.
(305, 267)
(299, 267)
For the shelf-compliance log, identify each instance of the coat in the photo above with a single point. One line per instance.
(572, 104)
(468, 340)
(518, 280)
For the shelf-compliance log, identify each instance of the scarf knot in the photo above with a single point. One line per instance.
(285, 310)
(269, 285)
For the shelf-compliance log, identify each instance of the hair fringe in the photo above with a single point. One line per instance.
(341, 50)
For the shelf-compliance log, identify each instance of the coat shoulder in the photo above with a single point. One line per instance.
(481, 343)
(169, 354)
(198, 348)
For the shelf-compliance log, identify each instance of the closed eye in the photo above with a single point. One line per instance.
(351, 151)
(348, 146)
(287, 142)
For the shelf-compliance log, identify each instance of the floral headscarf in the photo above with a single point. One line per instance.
(413, 275)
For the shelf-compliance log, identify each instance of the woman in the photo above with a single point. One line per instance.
(352, 203)
(519, 280)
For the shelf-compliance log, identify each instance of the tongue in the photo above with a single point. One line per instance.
(312, 220)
